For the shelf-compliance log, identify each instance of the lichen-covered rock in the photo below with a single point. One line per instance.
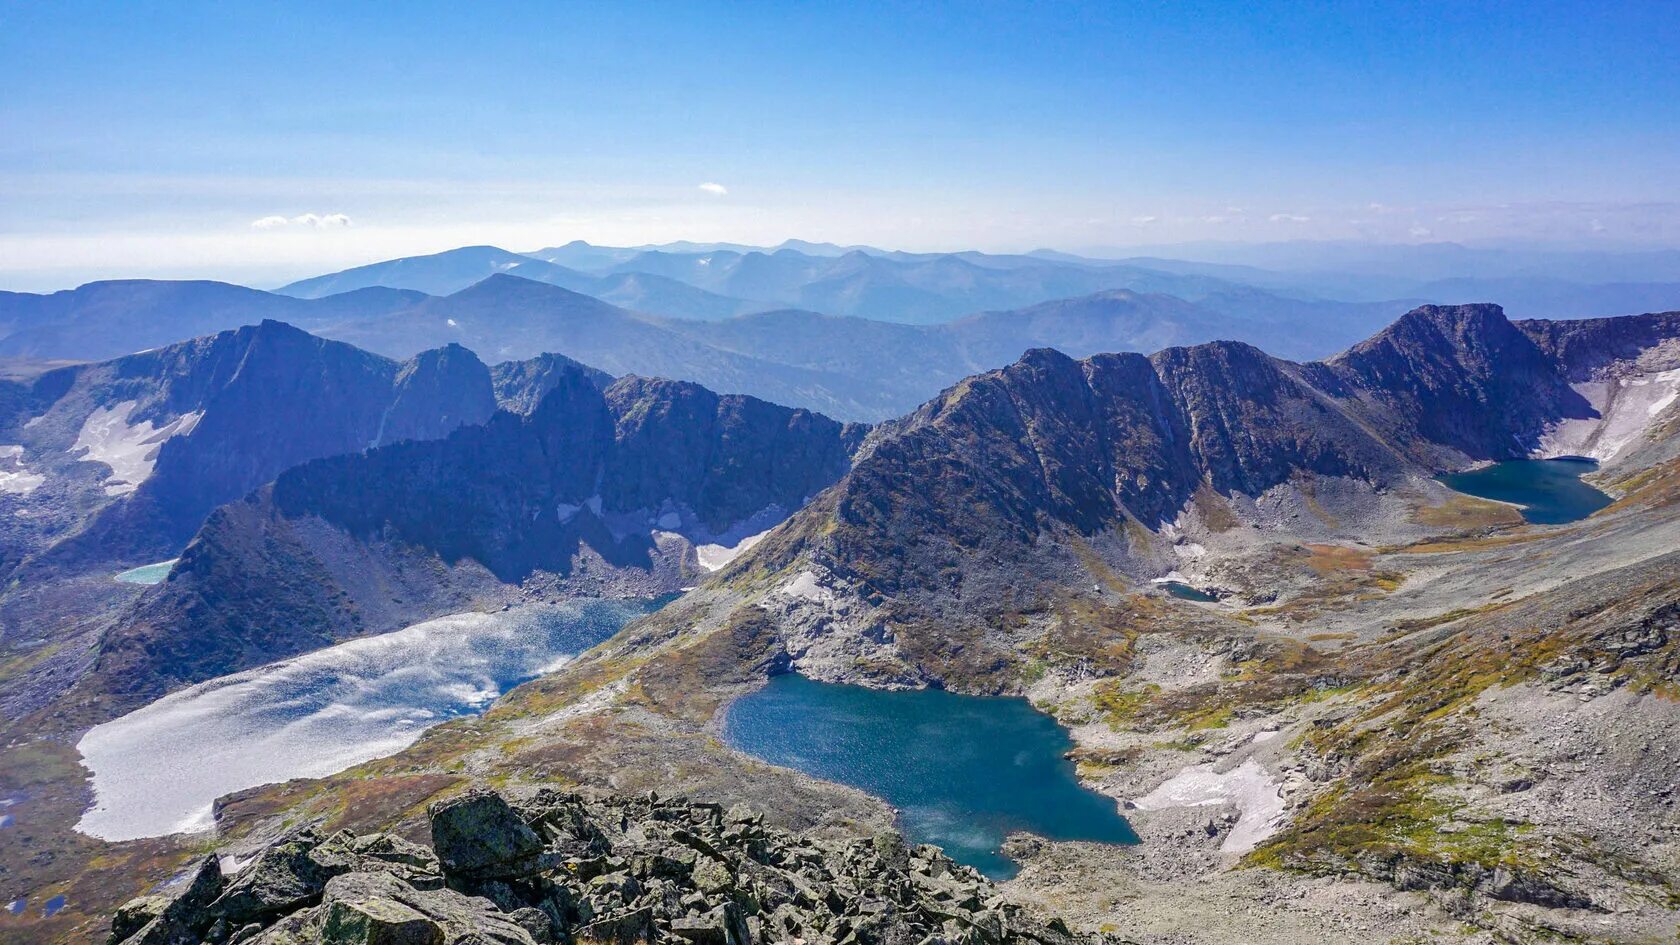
(553, 867)
(478, 836)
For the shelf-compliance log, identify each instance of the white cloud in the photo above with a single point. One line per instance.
(712, 188)
(1288, 218)
(1419, 232)
(317, 221)
(1145, 220)
(1597, 226)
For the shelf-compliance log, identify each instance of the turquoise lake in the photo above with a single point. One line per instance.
(964, 771)
(1549, 491)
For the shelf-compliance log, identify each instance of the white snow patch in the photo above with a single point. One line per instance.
(669, 521)
(1626, 407)
(158, 769)
(1266, 736)
(130, 450)
(712, 557)
(1248, 787)
(15, 477)
(805, 587)
(567, 511)
(1190, 550)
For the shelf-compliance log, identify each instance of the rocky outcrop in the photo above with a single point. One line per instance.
(1053, 477)
(557, 867)
(626, 480)
(521, 385)
(1462, 377)
(1584, 346)
(145, 446)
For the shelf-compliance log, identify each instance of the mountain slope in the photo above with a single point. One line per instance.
(104, 320)
(1404, 701)
(509, 318)
(591, 491)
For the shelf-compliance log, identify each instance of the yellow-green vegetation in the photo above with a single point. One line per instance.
(1656, 486)
(1100, 636)
(1464, 513)
(1395, 799)
(1414, 624)
(687, 682)
(1121, 706)
(1215, 510)
(1400, 813)
(1340, 577)
(1458, 543)
(1210, 716)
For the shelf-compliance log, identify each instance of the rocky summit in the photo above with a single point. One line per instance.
(553, 867)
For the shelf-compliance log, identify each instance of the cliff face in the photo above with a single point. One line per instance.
(1585, 346)
(1464, 377)
(597, 491)
(145, 446)
(518, 493)
(1021, 486)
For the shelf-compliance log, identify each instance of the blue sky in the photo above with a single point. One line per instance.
(149, 139)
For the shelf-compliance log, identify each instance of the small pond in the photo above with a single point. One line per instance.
(1549, 491)
(963, 771)
(1184, 591)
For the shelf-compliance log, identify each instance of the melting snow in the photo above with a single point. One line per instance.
(148, 573)
(1248, 787)
(1626, 408)
(130, 450)
(805, 587)
(712, 557)
(158, 769)
(14, 476)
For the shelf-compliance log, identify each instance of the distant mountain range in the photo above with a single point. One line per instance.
(910, 288)
(851, 368)
(855, 332)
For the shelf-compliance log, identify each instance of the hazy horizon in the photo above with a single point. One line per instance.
(263, 144)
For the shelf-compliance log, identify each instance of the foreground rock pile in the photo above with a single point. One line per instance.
(558, 867)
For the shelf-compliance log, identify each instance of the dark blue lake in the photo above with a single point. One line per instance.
(1549, 491)
(964, 771)
(1185, 591)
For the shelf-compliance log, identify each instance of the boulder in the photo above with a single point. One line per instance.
(478, 836)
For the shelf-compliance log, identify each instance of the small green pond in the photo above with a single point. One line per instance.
(963, 771)
(1184, 591)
